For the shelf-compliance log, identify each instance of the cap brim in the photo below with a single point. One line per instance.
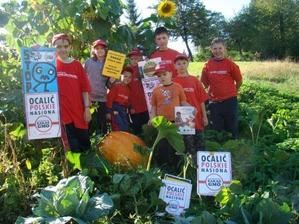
(181, 58)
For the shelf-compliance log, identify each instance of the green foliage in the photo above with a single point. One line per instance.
(267, 27)
(69, 200)
(167, 130)
(136, 193)
(88, 162)
(246, 207)
(133, 15)
(47, 171)
(265, 160)
(36, 21)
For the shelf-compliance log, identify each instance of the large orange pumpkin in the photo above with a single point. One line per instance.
(118, 148)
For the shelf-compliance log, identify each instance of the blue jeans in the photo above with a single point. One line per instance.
(120, 121)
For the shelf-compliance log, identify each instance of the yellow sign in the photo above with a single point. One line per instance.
(114, 64)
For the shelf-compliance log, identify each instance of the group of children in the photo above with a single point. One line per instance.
(121, 101)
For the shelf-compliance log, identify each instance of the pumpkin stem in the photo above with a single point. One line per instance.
(152, 151)
(149, 160)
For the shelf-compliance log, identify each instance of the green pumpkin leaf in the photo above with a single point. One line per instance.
(168, 130)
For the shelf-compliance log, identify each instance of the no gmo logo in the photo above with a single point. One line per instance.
(214, 182)
(43, 123)
(173, 206)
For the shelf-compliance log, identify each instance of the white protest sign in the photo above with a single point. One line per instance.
(39, 79)
(149, 81)
(176, 193)
(42, 110)
(214, 172)
(149, 84)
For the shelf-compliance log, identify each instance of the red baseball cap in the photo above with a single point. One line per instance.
(61, 36)
(99, 42)
(161, 68)
(181, 57)
(128, 69)
(135, 52)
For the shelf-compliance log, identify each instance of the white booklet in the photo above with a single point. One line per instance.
(185, 120)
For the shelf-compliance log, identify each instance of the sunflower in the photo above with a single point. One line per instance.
(166, 8)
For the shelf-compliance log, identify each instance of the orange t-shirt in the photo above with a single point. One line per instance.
(220, 77)
(166, 98)
(167, 56)
(196, 95)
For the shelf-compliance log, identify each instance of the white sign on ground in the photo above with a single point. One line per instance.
(176, 193)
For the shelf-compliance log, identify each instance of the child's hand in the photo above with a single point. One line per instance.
(108, 117)
(35, 46)
(205, 121)
(115, 112)
(87, 115)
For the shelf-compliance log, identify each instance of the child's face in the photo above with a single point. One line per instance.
(162, 40)
(165, 78)
(134, 59)
(126, 78)
(218, 50)
(100, 51)
(63, 48)
(181, 66)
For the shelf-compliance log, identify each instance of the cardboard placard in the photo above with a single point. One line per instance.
(39, 78)
(214, 172)
(114, 64)
(176, 193)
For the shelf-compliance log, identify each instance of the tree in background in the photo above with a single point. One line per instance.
(133, 14)
(269, 27)
(194, 23)
(141, 28)
(191, 21)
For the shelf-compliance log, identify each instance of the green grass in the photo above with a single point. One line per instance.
(283, 75)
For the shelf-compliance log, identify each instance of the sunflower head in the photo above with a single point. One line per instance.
(166, 9)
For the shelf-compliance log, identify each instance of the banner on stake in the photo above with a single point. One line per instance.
(39, 78)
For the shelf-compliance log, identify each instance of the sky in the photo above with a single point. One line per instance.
(229, 8)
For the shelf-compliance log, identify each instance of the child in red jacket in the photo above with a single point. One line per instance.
(138, 112)
(118, 102)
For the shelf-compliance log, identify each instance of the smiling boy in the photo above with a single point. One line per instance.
(223, 79)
